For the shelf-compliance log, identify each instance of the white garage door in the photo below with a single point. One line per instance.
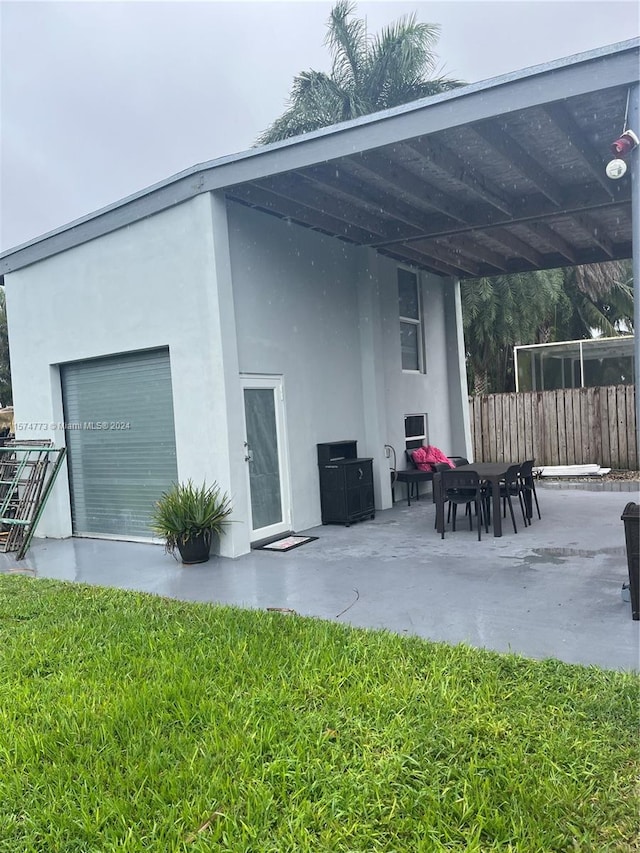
(120, 441)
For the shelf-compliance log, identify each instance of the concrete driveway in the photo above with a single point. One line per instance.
(551, 590)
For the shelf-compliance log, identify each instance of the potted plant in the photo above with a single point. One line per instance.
(188, 517)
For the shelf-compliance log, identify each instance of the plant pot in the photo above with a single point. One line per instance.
(196, 549)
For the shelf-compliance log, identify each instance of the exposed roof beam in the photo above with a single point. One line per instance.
(384, 171)
(262, 199)
(553, 239)
(595, 232)
(344, 182)
(515, 245)
(506, 145)
(298, 189)
(405, 253)
(447, 255)
(574, 202)
(481, 253)
(560, 116)
(455, 167)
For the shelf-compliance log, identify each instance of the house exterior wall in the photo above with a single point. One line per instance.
(324, 315)
(233, 291)
(151, 284)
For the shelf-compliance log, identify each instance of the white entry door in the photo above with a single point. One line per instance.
(266, 456)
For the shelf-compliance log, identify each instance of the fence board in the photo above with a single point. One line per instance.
(612, 425)
(497, 407)
(584, 423)
(529, 451)
(622, 426)
(512, 426)
(569, 427)
(604, 430)
(632, 444)
(577, 428)
(562, 427)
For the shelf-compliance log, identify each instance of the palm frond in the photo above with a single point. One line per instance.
(348, 44)
(315, 101)
(368, 74)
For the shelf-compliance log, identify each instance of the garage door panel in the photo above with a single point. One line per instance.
(120, 440)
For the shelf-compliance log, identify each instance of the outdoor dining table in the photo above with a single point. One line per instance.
(489, 472)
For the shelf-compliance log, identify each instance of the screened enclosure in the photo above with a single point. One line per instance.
(575, 364)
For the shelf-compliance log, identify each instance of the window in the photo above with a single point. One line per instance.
(411, 335)
(415, 431)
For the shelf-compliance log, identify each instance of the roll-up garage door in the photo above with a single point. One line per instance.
(120, 441)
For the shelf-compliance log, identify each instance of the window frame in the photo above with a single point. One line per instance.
(416, 439)
(417, 322)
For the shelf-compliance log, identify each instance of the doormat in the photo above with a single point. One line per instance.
(286, 544)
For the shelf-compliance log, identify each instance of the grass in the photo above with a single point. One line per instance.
(135, 723)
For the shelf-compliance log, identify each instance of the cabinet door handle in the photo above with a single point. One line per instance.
(360, 473)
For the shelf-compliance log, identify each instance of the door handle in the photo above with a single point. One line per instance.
(248, 453)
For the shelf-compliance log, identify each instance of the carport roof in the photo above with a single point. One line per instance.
(502, 176)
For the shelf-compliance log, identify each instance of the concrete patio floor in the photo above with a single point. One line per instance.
(552, 590)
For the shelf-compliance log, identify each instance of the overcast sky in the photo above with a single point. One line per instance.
(101, 99)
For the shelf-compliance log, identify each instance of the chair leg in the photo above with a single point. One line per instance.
(471, 515)
(523, 508)
(513, 518)
(533, 489)
(478, 503)
(453, 509)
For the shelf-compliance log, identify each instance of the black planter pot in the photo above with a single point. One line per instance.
(196, 549)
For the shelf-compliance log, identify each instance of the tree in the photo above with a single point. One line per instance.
(6, 396)
(571, 303)
(368, 74)
(601, 297)
(502, 312)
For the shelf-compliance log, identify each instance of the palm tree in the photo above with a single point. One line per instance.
(540, 307)
(501, 312)
(368, 74)
(601, 297)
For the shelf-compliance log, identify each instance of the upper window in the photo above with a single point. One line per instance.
(411, 335)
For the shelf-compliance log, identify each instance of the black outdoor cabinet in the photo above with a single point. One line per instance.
(346, 483)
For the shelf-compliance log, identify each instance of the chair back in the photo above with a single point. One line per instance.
(459, 482)
(526, 470)
(409, 456)
(512, 475)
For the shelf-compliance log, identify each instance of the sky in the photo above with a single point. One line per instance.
(101, 99)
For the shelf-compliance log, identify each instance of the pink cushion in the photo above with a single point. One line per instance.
(419, 457)
(426, 457)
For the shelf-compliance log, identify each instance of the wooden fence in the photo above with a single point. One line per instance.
(567, 427)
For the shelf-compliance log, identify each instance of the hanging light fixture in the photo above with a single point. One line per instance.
(622, 146)
(626, 142)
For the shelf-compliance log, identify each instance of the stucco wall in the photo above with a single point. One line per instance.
(273, 299)
(137, 288)
(304, 304)
(297, 316)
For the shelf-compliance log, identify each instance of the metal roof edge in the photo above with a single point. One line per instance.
(236, 168)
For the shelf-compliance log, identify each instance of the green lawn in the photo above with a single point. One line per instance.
(134, 723)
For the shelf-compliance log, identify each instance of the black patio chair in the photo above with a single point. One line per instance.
(510, 487)
(528, 486)
(462, 487)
